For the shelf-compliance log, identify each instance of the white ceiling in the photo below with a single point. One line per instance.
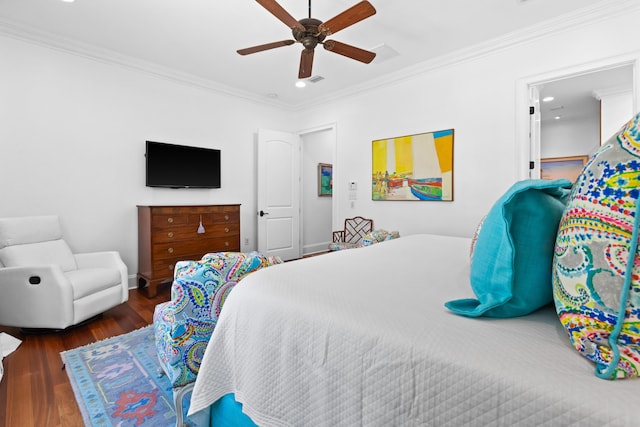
(196, 40)
(578, 97)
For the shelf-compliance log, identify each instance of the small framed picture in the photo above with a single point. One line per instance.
(325, 179)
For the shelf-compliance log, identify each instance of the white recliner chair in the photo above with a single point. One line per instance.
(43, 285)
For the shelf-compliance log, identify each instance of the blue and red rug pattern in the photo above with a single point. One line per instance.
(116, 382)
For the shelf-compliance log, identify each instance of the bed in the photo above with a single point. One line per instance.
(390, 334)
(362, 337)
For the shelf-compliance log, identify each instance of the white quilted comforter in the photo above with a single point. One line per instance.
(361, 338)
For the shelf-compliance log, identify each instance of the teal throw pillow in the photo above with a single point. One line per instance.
(512, 259)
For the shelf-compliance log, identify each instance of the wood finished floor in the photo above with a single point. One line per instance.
(35, 390)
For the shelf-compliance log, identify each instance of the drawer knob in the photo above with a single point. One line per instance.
(170, 220)
(226, 243)
(170, 234)
(226, 217)
(226, 229)
(170, 250)
(171, 267)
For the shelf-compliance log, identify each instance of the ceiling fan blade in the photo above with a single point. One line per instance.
(349, 51)
(306, 63)
(354, 14)
(279, 12)
(260, 48)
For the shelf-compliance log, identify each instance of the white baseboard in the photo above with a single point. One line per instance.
(315, 248)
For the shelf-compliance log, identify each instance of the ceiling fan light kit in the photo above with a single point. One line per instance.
(311, 32)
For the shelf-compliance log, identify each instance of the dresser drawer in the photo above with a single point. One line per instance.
(189, 232)
(163, 267)
(199, 246)
(218, 217)
(169, 220)
(196, 209)
(165, 221)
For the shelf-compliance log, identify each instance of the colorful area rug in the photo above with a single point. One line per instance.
(116, 382)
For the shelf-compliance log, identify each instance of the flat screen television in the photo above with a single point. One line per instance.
(181, 166)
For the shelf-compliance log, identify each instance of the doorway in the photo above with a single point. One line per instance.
(584, 106)
(571, 111)
(318, 146)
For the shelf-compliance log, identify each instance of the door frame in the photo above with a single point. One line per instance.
(524, 149)
(332, 127)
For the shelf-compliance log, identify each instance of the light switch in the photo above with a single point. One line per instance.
(353, 190)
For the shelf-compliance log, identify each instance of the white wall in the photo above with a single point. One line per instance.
(562, 138)
(73, 131)
(72, 142)
(317, 148)
(484, 99)
(616, 108)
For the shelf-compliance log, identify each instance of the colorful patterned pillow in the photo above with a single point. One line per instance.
(511, 264)
(378, 236)
(597, 262)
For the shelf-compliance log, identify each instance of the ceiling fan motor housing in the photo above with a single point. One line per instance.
(311, 36)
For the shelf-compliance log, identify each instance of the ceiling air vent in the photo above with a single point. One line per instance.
(315, 79)
(383, 53)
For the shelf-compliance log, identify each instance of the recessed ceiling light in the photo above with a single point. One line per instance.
(557, 117)
(548, 99)
(300, 83)
(68, 1)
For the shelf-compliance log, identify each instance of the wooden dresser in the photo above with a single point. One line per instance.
(168, 234)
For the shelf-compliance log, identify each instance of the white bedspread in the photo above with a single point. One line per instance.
(361, 338)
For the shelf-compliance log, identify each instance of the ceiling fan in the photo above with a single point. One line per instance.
(310, 32)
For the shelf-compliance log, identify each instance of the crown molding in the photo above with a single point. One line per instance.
(600, 94)
(53, 41)
(604, 10)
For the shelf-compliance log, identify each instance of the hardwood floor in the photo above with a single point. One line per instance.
(35, 390)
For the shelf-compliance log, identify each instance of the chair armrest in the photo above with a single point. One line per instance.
(338, 236)
(106, 259)
(98, 259)
(45, 304)
(183, 325)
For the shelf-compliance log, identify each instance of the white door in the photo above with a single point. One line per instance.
(279, 194)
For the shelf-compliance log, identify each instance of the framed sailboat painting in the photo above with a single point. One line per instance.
(414, 167)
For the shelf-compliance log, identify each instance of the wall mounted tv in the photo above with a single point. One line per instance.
(181, 166)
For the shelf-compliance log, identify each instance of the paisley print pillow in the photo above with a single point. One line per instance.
(597, 262)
